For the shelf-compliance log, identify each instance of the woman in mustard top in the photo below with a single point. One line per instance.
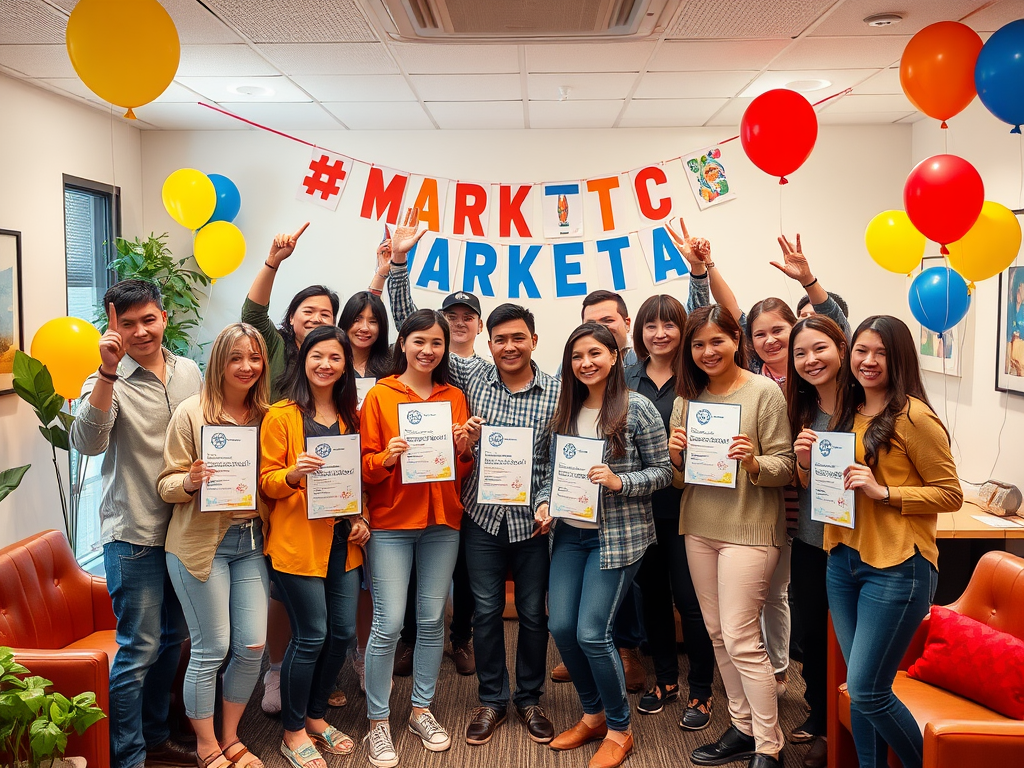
(881, 574)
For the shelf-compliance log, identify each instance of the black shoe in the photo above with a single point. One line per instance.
(652, 702)
(731, 746)
(485, 721)
(537, 724)
(765, 761)
(697, 716)
(170, 753)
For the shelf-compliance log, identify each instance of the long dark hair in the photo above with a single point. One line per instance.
(801, 395)
(573, 393)
(291, 348)
(904, 381)
(422, 320)
(379, 361)
(659, 307)
(344, 391)
(691, 380)
(771, 304)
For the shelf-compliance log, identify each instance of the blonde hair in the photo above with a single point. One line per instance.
(258, 398)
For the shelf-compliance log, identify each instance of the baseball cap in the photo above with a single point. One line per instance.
(461, 297)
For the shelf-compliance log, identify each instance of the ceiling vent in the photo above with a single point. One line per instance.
(466, 21)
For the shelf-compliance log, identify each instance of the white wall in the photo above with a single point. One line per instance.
(43, 136)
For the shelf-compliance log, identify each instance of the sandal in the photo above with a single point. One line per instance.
(333, 741)
(212, 761)
(304, 757)
(242, 752)
(337, 699)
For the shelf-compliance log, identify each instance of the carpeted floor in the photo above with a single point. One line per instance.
(659, 741)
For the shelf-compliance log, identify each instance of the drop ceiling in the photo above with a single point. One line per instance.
(334, 64)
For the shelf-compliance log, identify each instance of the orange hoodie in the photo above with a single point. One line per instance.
(392, 505)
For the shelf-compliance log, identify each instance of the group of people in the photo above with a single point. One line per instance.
(374, 587)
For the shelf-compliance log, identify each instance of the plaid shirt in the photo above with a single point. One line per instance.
(491, 400)
(625, 518)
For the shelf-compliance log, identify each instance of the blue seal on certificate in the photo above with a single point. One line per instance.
(825, 447)
(414, 417)
(219, 440)
(569, 450)
(703, 416)
(496, 439)
(323, 450)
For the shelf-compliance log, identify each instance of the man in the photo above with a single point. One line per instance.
(804, 307)
(126, 407)
(511, 392)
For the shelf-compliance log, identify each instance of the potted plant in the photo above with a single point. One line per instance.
(34, 724)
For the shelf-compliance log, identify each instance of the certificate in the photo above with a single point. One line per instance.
(505, 467)
(232, 452)
(363, 385)
(831, 453)
(572, 494)
(336, 488)
(710, 428)
(427, 428)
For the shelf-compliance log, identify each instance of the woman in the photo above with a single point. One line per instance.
(365, 320)
(215, 559)
(882, 573)
(817, 374)
(664, 573)
(315, 563)
(733, 534)
(593, 564)
(409, 521)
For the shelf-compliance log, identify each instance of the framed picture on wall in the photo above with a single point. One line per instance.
(940, 352)
(11, 335)
(1010, 342)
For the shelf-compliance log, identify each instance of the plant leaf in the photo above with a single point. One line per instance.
(9, 480)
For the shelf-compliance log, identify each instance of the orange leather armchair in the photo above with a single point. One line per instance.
(59, 621)
(957, 732)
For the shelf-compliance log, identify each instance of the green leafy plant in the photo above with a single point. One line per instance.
(11, 479)
(34, 724)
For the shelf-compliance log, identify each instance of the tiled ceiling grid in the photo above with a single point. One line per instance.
(329, 64)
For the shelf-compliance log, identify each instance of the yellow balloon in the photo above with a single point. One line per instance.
(989, 247)
(126, 51)
(190, 197)
(70, 350)
(219, 248)
(894, 242)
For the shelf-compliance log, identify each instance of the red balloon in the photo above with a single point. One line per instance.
(943, 197)
(778, 131)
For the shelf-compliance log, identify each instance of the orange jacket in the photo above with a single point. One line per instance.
(392, 505)
(295, 544)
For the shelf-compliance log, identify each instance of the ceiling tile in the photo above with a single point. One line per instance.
(356, 87)
(286, 117)
(295, 21)
(381, 115)
(848, 18)
(742, 18)
(731, 114)
(588, 57)
(25, 22)
(38, 60)
(644, 113)
(196, 25)
(721, 55)
(331, 59)
(856, 104)
(225, 89)
(186, 117)
(997, 15)
(692, 85)
(574, 114)
(866, 118)
(420, 58)
(175, 92)
(467, 87)
(581, 85)
(886, 81)
(802, 80)
(222, 60)
(843, 53)
(470, 115)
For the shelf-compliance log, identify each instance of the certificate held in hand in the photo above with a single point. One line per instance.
(710, 428)
(505, 468)
(831, 503)
(572, 493)
(427, 428)
(335, 489)
(231, 452)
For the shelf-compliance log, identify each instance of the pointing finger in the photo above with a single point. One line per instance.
(298, 234)
(112, 317)
(682, 225)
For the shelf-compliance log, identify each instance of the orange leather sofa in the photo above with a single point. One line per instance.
(59, 621)
(957, 732)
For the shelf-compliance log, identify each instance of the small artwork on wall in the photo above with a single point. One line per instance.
(940, 352)
(1010, 343)
(10, 307)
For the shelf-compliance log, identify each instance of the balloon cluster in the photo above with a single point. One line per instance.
(207, 204)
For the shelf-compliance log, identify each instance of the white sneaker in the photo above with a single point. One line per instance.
(434, 737)
(379, 748)
(272, 692)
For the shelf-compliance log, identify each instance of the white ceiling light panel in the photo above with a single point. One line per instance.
(356, 87)
(478, 115)
(591, 57)
(830, 81)
(582, 86)
(467, 87)
(331, 59)
(424, 59)
(222, 60)
(245, 89)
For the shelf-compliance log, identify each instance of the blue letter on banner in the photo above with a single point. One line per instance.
(519, 265)
(477, 270)
(436, 268)
(614, 248)
(564, 269)
(667, 257)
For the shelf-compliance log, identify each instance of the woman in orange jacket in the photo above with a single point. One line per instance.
(408, 520)
(315, 563)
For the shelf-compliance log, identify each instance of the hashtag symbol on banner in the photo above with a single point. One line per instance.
(324, 177)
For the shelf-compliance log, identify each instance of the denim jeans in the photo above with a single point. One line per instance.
(489, 559)
(463, 603)
(628, 627)
(435, 549)
(583, 599)
(150, 631)
(322, 614)
(227, 612)
(875, 612)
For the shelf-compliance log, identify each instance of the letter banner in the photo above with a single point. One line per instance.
(325, 179)
(663, 258)
(562, 206)
(652, 193)
(385, 191)
(429, 194)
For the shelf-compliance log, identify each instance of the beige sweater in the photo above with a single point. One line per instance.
(753, 512)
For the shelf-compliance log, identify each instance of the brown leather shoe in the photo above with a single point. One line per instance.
(538, 726)
(633, 668)
(560, 674)
(403, 660)
(464, 658)
(817, 755)
(611, 754)
(484, 722)
(170, 753)
(577, 736)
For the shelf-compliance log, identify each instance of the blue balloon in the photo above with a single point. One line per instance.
(999, 74)
(228, 199)
(939, 299)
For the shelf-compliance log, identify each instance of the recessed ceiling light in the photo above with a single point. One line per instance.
(252, 91)
(883, 19)
(805, 86)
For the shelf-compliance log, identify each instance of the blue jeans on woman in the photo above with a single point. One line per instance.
(582, 602)
(226, 612)
(875, 613)
(391, 554)
(322, 614)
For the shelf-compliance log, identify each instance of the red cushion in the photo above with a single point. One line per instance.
(973, 660)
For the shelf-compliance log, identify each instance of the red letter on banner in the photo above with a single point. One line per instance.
(643, 194)
(380, 199)
(510, 210)
(469, 212)
(604, 188)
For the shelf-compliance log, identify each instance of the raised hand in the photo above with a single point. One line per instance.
(112, 346)
(384, 258)
(694, 249)
(406, 234)
(283, 245)
(794, 264)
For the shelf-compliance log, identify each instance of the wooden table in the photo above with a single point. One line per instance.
(962, 525)
(962, 541)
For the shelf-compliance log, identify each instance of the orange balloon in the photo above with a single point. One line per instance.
(937, 69)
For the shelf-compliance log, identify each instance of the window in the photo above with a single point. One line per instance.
(92, 220)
